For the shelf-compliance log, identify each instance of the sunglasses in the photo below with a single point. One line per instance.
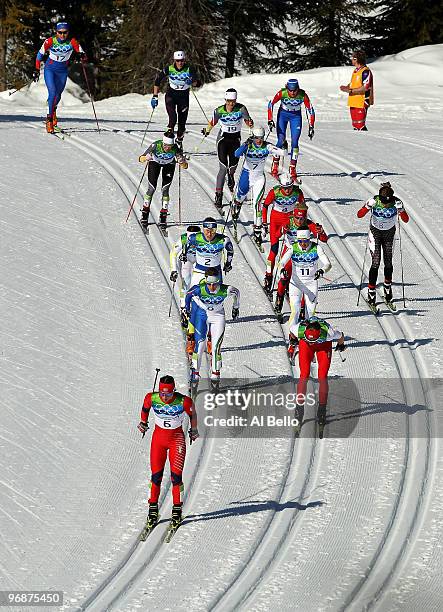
(62, 32)
(210, 225)
(166, 393)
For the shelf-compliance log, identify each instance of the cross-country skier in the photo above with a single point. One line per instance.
(210, 249)
(169, 409)
(284, 198)
(299, 219)
(309, 262)
(56, 52)
(252, 177)
(181, 77)
(205, 305)
(360, 90)
(384, 209)
(229, 116)
(314, 337)
(162, 155)
(183, 269)
(291, 98)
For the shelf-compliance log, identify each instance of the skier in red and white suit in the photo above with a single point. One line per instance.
(169, 408)
(284, 199)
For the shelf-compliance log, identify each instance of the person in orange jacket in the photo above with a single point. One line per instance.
(360, 90)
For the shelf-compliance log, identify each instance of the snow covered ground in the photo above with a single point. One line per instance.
(343, 523)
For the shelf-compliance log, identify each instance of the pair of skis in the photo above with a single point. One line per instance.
(150, 526)
(376, 310)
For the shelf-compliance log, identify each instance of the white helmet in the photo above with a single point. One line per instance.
(168, 140)
(285, 179)
(179, 55)
(303, 234)
(258, 131)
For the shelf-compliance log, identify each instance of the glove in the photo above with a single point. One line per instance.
(311, 132)
(183, 257)
(154, 102)
(143, 427)
(235, 313)
(227, 267)
(265, 229)
(143, 158)
(174, 276)
(285, 273)
(206, 131)
(193, 434)
(319, 273)
(340, 347)
(319, 228)
(83, 58)
(271, 124)
(36, 75)
(183, 165)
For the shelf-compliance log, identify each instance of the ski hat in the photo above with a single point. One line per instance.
(300, 212)
(62, 25)
(258, 131)
(304, 234)
(192, 229)
(212, 275)
(179, 55)
(292, 85)
(312, 331)
(386, 193)
(166, 385)
(167, 139)
(231, 94)
(285, 180)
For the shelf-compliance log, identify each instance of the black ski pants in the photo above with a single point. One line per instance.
(381, 240)
(177, 107)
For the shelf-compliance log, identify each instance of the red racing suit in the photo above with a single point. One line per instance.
(168, 437)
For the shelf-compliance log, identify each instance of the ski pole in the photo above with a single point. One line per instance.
(20, 88)
(172, 295)
(179, 195)
(136, 193)
(401, 264)
(147, 127)
(362, 268)
(157, 370)
(90, 94)
(201, 107)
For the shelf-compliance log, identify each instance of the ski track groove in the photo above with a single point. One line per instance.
(266, 533)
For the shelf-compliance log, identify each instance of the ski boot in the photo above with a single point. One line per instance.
(152, 519)
(54, 117)
(302, 314)
(179, 142)
(321, 420)
(371, 301)
(184, 319)
(236, 207)
(145, 216)
(293, 172)
(274, 166)
(49, 124)
(292, 348)
(388, 296)
(258, 236)
(190, 345)
(194, 376)
(267, 285)
(299, 414)
(218, 201)
(162, 219)
(215, 380)
(278, 307)
(231, 182)
(176, 517)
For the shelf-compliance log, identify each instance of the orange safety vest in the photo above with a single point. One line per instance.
(358, 100)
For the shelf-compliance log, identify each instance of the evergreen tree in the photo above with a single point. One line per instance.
(402, 24)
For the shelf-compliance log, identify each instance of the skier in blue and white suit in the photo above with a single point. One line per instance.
(252, 177)
(205, 305)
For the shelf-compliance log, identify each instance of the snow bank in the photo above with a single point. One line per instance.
(36, 94)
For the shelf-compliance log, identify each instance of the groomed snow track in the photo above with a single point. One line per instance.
(248, 583)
